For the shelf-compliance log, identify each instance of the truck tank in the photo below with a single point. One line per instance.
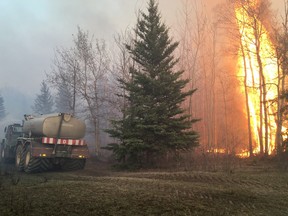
(51, 125)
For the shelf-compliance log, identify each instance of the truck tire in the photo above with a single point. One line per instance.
(70, 164)
(19, 158)
(35, 164)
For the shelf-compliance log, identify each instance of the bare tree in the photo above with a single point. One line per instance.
(85, 69)
(200, 57)
(93, 68)
(65, 72)
(122, 63)
(281, 40)
(193, 31)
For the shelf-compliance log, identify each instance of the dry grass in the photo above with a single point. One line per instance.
(97, 191)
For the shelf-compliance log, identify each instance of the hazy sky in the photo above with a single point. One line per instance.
(32, 29)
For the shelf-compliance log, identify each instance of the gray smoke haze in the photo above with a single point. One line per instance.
(32, 29)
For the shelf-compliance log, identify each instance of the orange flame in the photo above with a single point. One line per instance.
(255, 38)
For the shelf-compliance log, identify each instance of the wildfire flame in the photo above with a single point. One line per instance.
(255, 39)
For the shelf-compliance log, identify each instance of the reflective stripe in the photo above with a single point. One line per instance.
(49, 140)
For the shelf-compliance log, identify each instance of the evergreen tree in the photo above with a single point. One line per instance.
(2, 108)
(43, 103)
(64, 98)
(154, 122)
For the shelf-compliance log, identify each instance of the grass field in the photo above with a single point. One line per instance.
(95, 191)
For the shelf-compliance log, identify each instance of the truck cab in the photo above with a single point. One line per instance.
(8, 145)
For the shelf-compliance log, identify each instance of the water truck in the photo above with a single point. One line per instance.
(45, 142)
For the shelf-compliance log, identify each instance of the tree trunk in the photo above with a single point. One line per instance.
(247, 102)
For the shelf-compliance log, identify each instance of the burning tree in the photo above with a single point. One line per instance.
(258, 70)
(154, 122)
(210, 69)
(257, 78)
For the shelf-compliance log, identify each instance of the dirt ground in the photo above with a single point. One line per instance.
(249, 189)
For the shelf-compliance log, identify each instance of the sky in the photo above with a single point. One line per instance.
(31, 30)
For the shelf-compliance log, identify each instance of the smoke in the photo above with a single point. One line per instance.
(32, 30)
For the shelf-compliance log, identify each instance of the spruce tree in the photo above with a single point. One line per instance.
(2, 108)
(154, 122)
(43, 103)
(64, 98)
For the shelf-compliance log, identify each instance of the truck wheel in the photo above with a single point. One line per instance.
(19, 158)
(35, 164)
(73, 164)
